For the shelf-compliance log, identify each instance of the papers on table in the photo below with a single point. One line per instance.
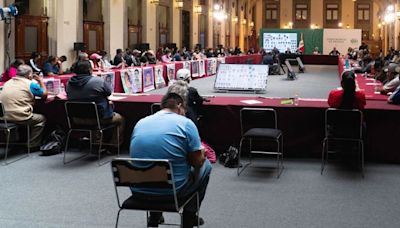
(115, 98)
(251, 102)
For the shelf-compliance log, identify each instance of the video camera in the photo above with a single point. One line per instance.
(8, 12)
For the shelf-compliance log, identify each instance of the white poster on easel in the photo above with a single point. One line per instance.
(245, 77)
(342, 39)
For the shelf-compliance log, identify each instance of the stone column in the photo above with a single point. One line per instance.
(149, 24)
(113, 17)
(176, 25)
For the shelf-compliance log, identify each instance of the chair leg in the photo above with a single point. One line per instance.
(147, 218)
(116, 223)
(118, 141)
(323, 156)
(28, 135)
(278, 166)
(91, 141)
(181, 215)
(239, 171)
(7, 144)
(250, 149)
(66, 150)
(362, 158)
(100, 144)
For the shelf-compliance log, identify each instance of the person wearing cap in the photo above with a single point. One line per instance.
(18, 97)
(136, 57)
(95, 61)
(392, 79)
(194, 100)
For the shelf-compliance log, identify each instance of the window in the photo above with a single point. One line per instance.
(332, 12)
(363, 12)
(271, 12)
(301, 12)
(271, 17)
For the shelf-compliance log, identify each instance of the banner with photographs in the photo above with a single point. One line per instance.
(219, 62)
(132, 80)
(211, 66)
(53, 85)
(108, 77)
(202, 69)
(148, 79)
(186, 65)
(159, 76)
(171, 72)
(195, 69)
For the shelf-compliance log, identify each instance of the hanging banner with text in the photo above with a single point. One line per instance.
(342, 39)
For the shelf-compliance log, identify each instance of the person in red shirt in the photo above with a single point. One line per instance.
(347, 97)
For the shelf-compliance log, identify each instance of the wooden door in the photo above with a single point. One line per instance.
(31, 36)
(93, 36)
(134, 36)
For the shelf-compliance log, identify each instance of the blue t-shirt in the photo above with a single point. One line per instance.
(48, 68)
(36, 90)
(166, 135)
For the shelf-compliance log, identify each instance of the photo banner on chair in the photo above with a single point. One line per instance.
(202, 68)
(159, 76)
(108, 77)
(148, 79)
(171, 72)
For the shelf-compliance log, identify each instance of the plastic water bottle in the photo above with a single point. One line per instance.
(296, 99)
(347, 63)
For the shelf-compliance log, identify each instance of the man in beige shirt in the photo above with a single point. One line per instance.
(18, 97)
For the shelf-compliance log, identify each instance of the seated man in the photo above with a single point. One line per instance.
(18, 97)
(168, 134)
(87, 88)
(334, 51)
(395, 97)
(52, 67)
(392, 79)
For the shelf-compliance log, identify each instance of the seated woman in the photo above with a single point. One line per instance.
(12, 70)
(347, 97)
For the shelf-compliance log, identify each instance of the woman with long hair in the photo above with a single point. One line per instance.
(347, 97)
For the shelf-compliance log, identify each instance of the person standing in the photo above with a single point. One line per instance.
(18, 97)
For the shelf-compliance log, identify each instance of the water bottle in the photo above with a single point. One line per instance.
(347, 63)
(296, 100)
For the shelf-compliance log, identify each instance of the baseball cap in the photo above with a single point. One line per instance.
(183, 74)
(95, 56)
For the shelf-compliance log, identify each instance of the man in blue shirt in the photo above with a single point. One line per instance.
(52, 66)
(168, 134)
(18, 97)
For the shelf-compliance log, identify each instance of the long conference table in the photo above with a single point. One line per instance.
(302, 124)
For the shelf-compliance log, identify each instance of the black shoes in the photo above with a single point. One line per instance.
(156, 220)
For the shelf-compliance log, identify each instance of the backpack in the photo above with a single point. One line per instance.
(230, 158)
(54, 143)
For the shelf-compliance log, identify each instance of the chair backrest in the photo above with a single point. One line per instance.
(257, 118)
(79, 111)
(142, 173)
(343, 123)
(155, 107)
